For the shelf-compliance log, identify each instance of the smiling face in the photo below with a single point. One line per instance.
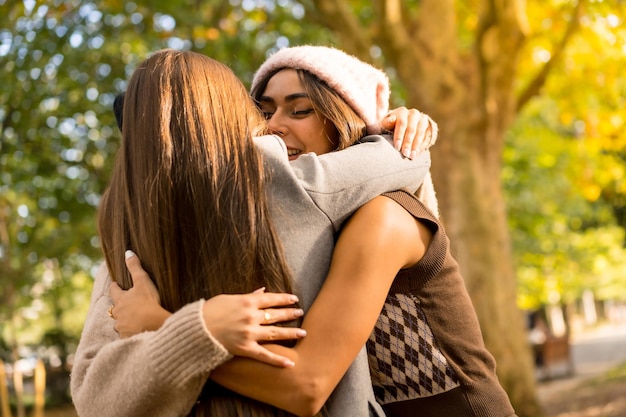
(290, 114)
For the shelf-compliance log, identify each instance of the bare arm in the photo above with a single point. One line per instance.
(378, 241)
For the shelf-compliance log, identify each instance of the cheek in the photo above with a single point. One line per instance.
(325, 141)
(331, 133)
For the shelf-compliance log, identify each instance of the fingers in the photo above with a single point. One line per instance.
(434, 132)
(270, 299)
(277, 315)
(413, 131)
(274, 333)
(397, 121)
(137, 273)
(426, 132)
(412, 134)
(263, 355)
(421, 133)
(390, 120)
(418, 134)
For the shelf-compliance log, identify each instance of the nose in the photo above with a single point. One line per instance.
(275, 125)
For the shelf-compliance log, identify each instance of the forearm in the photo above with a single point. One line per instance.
(321, 359)
(373, 159)
(291, 389)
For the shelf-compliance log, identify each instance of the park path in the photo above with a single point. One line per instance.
(594, 352)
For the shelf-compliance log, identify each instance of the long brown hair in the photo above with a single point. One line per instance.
(187, 194)
(327, 103)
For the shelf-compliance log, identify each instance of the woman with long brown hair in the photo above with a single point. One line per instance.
(188, 192)
(188, 195)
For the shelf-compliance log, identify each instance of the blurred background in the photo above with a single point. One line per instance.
(529, 96)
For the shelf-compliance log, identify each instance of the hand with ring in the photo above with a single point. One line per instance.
(240, 322)
(137, 309)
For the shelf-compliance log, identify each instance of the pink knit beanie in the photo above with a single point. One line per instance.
(363, 87)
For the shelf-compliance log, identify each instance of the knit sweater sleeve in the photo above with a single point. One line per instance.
(158, 373)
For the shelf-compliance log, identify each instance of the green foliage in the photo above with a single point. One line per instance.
(564, 161)
(57, 140)
(565, 238)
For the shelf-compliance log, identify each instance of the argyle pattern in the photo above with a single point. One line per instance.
(405, 362)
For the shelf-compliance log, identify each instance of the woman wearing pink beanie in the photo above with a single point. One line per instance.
(350, 83)
(426, 353)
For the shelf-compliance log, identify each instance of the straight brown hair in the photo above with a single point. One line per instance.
(187, 194)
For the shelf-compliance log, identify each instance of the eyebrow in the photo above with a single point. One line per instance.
(290, 97)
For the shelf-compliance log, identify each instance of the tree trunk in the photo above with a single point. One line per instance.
(4, 392)
(40, 389)
(470, 95)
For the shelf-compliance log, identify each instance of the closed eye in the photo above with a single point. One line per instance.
(302, 113)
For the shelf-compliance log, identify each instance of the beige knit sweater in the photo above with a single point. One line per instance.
(163, 365)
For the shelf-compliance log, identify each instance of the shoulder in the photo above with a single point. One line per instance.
(384, 221)
(394, 229)
(383, 213)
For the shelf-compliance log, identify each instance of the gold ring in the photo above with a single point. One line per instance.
(110, 311)
(267, 315)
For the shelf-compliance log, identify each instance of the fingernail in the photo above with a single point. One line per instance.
(406, 152)
(301, 332)
(397, 145)
(259, 291)
(129, 254)
(413, 154)
(289, 364)
(299, 312)
(293, 298)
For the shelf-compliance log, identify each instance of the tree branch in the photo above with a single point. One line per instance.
(538, 82)
(393, 31)
(499, 37)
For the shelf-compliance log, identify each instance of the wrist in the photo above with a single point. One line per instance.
(157, 318)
